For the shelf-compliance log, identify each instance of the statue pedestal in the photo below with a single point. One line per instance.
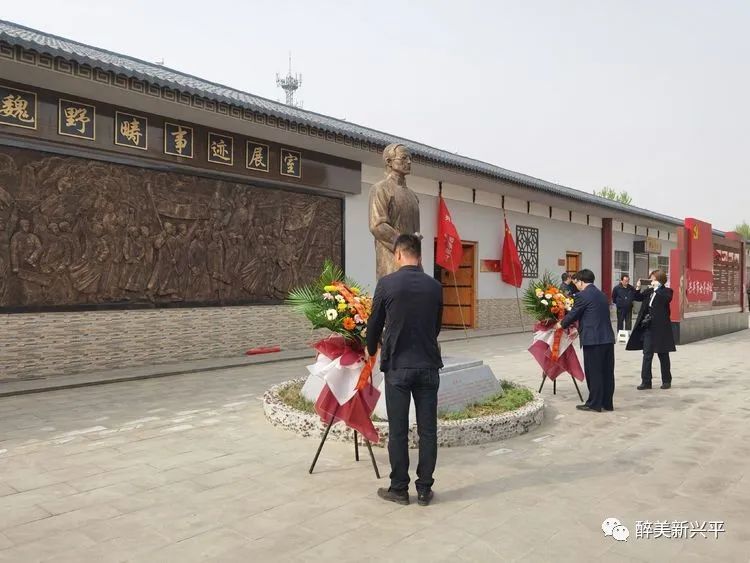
(463, 381)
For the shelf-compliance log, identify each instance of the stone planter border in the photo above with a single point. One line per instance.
(451, 433)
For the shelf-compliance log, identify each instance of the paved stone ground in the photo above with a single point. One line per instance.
(186, 468)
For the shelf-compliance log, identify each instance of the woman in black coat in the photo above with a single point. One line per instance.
(652, 332)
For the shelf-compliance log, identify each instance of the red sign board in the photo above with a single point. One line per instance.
(699, 285)
(700, 245)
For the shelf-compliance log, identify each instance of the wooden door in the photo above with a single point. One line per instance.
(460, 289)
(572, 262)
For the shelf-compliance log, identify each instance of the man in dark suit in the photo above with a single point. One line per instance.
(409, 303)
(623, 296)
(568, 284)
(591, 310)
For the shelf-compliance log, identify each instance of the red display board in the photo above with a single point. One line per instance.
(700, 246)
(699, 285)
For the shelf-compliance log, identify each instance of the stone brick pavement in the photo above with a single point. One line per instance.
(186, 468)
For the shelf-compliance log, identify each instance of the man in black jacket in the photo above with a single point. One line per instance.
(568, 285)
(410, 303)
(623, 295)
(591, 310)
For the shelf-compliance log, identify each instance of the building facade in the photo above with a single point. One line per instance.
(149, 217)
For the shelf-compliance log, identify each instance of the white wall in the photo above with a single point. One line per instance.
(478, 223)
(482, 222)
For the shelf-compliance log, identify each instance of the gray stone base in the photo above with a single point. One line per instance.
(450, 433)
(462, 382)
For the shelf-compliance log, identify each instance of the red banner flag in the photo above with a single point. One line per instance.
(449, 249)
(512, 271)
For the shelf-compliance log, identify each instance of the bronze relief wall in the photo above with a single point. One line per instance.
(76, 232)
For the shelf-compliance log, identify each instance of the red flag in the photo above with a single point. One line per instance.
(449, 249)
(512, 272)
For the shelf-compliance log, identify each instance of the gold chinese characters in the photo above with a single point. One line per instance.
(291, 163)
(76, 119)
(257, 157)
(17, 108)
(178, 140)
(131, 130)
(220, 149)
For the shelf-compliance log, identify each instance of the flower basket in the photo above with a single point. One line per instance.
(341, 378)
(552, 348)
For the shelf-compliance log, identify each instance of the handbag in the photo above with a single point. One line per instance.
(645, 321)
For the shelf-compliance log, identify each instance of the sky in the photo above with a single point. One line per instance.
(645, 96)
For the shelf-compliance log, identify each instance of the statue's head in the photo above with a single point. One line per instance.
(54, 228)
(25, 225)
(397, 158)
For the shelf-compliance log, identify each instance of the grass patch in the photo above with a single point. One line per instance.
(291, 395)
(513, 397)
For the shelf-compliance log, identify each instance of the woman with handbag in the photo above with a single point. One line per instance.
(652, 332)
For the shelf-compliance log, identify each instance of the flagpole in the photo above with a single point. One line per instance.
(515, 281)
(458, 301)
(520, 314)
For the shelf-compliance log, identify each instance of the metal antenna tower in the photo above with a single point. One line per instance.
(290, 84)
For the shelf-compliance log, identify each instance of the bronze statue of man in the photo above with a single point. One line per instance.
(394, 208)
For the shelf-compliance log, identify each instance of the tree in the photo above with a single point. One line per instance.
(743, 230)
(622, 197)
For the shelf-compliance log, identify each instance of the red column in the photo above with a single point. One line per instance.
(607, 258)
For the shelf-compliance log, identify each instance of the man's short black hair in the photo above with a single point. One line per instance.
(585, 276)
(622, 277)
(565, 277)
(409, 245)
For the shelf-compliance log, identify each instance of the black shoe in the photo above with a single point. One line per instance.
(643, 386)
(587, 408)
(399, 497)
(610, 409)
(666, 385)
(425, 497)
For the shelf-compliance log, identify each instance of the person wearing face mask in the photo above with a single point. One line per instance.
(653, 329)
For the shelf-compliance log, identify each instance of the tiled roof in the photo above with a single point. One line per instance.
(106, 60)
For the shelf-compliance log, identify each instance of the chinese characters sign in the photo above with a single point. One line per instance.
(57, 118)
(727, 276)
(291, 163)
(220, 149)
(257, 157)
(699, 286)
(131, 131)
(75, 119)
(178, 140)
(17, 108)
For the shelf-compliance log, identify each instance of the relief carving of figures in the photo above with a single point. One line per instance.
(88, 275)
(76, 231)
(165, 277)
(25, 255)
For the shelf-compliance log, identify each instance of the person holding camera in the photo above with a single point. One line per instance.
(653, 329)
